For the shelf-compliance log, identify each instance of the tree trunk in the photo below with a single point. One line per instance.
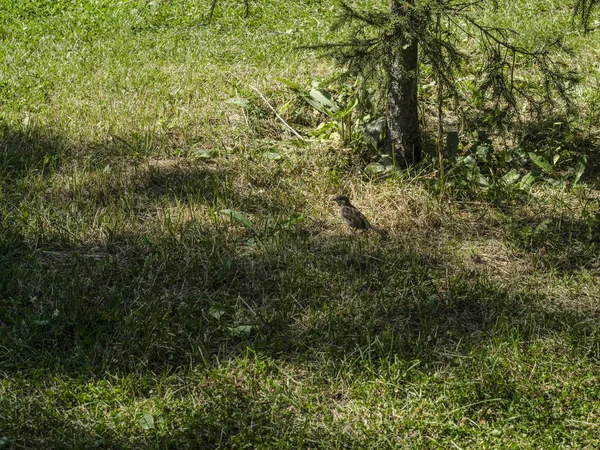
(403, 138)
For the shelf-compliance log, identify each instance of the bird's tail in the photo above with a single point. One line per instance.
(379, 231)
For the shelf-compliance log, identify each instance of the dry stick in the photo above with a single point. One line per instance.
(278, 116)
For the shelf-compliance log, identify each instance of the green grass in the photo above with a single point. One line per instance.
(134, 313)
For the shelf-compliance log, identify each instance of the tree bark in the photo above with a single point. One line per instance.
(403, 139)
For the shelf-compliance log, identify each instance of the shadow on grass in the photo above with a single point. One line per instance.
(160, 299)
(159, 302)
(564, 244)
(28, 150)
(555, 135)
(154, 305)
(167, 306)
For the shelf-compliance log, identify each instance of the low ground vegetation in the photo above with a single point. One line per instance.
(174, 274)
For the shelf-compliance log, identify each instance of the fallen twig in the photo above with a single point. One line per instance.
(278, 116)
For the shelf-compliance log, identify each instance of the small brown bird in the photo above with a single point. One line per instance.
(353, 217)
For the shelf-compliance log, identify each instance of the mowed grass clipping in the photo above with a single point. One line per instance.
(173, 273)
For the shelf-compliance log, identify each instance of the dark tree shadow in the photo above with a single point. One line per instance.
(564, 244)
(556, 135)
(160, 303)
(154, 302)
(28, 150)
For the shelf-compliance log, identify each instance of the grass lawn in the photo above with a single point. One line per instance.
(174, 274)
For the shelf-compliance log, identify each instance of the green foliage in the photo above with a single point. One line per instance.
(323, 101)
(584, 9)
(240, 218)
(493, 67)
(173, 273)
(552, 156)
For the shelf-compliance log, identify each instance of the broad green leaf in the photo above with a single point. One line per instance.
(387, 161)
(542, 227)
(240, 218)
(470, 162)
(483, 152)
(451, 144)
(554, 182)
(374, 130)
(241, 330)
(273, 156)
(511, 177)
(216, 311)
(239, 101)
(580, 168)
(147, 421)
(374, 168)
(542, 163)
(526, 181)
(294, 218)
(348, 109)
(482, 181)
(555, 159)
(324, 130)
(209, 153)
(321, 100)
